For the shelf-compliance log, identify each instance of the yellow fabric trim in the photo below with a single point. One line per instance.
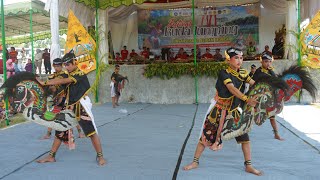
(248, 79)
(243, 142)
(241, 75)
(264, 70)
(73, 79)
(225, 82)
(94, 132)
(76, 72)
(217, 95)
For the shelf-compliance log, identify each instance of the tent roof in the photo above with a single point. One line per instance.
(103, 4)
(17, 18)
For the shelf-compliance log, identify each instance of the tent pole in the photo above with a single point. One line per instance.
(299, 31)
(4, 57)
(31, 37)
(298, 40)
(97, 50)
(195, 50)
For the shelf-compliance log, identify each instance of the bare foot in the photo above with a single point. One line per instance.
(251, 169)
(47, 159)
(278, 137)
(46, 137)
(190, 166)
(81, 135)
(117, 104)
(101, 161)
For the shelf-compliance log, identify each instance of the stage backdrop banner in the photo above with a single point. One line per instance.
(79, 40)
(310, 40)
(219, 27)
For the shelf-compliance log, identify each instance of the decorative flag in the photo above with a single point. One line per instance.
(82, 44)
(310, 40)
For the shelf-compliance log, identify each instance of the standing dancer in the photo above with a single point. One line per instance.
(59, 94)
(229, 96)
(79, 102)
(264, 71)
(117, 84)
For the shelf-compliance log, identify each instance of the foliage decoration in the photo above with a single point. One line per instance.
(171, 70)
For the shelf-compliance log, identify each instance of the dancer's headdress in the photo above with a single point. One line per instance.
(229, 53)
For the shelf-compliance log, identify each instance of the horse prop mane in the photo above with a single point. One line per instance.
(271, 93)
(30, 99)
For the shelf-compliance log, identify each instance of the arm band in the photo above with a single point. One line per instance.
(244, 98)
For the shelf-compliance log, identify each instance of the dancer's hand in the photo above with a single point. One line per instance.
(252, 101)
(40, 81)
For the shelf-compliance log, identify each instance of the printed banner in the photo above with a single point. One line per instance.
(219, 27)
(82, 44)
(310, 40)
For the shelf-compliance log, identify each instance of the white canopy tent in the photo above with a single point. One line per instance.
(121, 21)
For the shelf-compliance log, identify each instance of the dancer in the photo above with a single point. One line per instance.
(264, 71)
(230, 85)
(79, 102)
(59, 94)
(116, 85)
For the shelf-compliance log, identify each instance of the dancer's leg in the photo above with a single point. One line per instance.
(195, 163)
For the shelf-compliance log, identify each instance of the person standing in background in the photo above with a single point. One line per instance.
(38, 60)
(13, 54)
(46, 60)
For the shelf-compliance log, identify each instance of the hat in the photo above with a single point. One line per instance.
(68, 57)
(229, 53)
(253, 66)
(57, 61)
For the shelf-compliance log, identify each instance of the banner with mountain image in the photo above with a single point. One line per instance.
(310, 42)
(215, 27)
(82, 44)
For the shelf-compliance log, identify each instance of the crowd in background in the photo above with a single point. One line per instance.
(181, 54)
(15, 64)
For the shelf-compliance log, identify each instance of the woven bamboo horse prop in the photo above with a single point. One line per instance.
(271, 94)
(30, 99)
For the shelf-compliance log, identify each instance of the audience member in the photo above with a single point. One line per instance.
(13, 54)
(118, 58)
(217, 56)
(28, 66)
(10, 68)
(46, 60)
(38, 60)
(207, 55)
(133, 53)
(266, 51)
(145, 53)
(124, 53)
(17, 66)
